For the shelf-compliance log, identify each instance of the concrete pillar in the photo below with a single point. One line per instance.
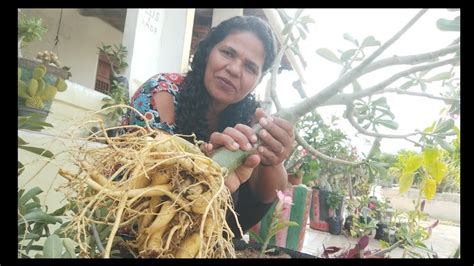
(158, 40)
(221, 14)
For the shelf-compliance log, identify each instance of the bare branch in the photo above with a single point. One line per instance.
(421, 94)
(411, 59)
(274, 75)
(347, 98)
(311, 103)
(385, 83)
(414, 142)
(320, 155)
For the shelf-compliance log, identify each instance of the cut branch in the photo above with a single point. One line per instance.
(321, 155)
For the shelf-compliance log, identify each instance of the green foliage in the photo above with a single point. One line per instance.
(276, 224)
(334, 200)
(327, 139)
(30, 29)
(449, 24)
(31, 122)
(36, 89)
(300, 23)
(117, 55)
(118, 95)
(34, 224)
(349, 56)
(374, 113)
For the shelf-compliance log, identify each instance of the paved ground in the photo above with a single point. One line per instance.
(444, 240)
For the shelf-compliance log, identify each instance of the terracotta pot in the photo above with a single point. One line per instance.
(294, 179)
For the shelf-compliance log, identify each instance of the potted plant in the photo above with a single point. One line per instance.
(38, 82)
(29, 30)
(40, 79)
(116, 55)
(334, 202)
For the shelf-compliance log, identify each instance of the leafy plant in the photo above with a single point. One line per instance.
(333, 200)
(117, 56)
(30, 29)
(326, 138)
(34, 224)
(32, 123)
(275, 225)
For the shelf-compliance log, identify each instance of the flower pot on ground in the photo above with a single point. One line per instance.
(320, 209)
(334, 202)
(295, 178)
(335, 225)
(379, 232)
(290, 237)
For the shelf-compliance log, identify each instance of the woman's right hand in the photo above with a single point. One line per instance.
(239, 137)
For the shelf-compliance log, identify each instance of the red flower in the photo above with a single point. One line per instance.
(371, 205)
(148, 116)
(163, 85)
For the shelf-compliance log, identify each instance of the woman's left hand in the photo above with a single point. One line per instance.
(277, 139)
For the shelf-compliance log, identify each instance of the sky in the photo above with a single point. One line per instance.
(327, 32)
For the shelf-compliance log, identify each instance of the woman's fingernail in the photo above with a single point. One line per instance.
(263, 133)
(235, 145)
(253, 138)
(261, 149)
(263, 121)
(248, 146)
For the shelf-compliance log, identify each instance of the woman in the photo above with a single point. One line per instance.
(215, 102)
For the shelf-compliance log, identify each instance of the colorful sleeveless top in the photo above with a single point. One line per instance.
(143, 101)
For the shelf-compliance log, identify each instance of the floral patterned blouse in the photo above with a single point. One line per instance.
(143, 101)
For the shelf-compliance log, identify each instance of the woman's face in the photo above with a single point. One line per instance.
(234, 68)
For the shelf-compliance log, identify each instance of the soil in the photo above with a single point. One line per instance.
(250, 253)
(245, 250)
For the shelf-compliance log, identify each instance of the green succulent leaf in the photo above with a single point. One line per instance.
(449, 25)
(349, 37)
(53, 247)
(329, 55)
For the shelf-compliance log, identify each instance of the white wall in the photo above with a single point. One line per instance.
(159, 41)
(221, 14)
(42, 173)
(79, 37)
(72, 106)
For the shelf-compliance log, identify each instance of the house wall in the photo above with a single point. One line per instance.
(79, 37)
(39, 172)
(159, 41)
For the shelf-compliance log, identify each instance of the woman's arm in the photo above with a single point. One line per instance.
(266, 180)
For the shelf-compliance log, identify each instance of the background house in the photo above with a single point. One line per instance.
(158, 40)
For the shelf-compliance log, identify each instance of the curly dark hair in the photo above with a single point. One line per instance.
(191, 114)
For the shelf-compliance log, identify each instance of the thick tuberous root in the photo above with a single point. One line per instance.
(158, 190)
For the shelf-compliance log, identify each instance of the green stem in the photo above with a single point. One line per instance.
(233, 159)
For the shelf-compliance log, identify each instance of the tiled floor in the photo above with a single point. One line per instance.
(444, 240)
